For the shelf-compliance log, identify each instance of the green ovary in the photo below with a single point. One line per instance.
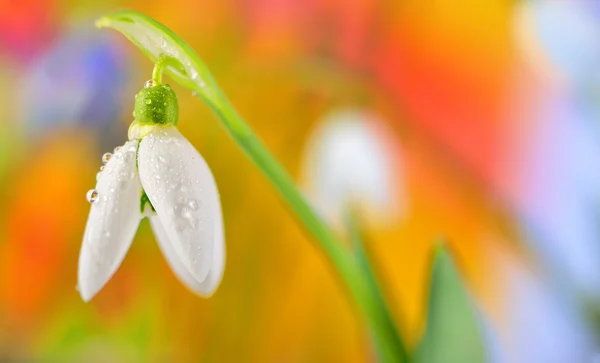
(156, 105)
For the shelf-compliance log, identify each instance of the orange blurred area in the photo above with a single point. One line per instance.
(455, 91)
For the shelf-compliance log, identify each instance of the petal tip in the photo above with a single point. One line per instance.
(86, 292)
(206, 294)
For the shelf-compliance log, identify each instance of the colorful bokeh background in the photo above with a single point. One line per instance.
(493, 107)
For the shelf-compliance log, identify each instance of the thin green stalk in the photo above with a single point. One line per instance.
(362, 290)
(159, 67)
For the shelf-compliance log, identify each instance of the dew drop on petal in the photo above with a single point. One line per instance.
(150, 83)
(193, 204)
(102, 168)
(116, 150)
(148, 101)
(92, 196)
(106, 157)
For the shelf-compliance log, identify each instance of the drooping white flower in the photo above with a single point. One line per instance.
(156, 174)
(351, 164)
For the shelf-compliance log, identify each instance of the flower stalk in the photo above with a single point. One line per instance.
(344, 261)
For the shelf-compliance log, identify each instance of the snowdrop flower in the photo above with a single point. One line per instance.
(351, 163)
(157, 174)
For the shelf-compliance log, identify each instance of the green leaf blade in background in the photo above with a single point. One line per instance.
(453, 332)
(387, 323)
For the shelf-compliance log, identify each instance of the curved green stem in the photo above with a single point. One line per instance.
(159, 67)
(345, 263)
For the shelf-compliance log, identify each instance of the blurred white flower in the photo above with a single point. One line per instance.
(157, 174)
(351, 165)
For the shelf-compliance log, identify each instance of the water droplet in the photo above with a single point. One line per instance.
(102, 168)
(92, 196)
(193, 204)
(149, 83)
(148, 101)
(116, 150)
(98, 176)
(106, 157)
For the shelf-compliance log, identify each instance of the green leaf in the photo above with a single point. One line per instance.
(390, 347)
(453, 333)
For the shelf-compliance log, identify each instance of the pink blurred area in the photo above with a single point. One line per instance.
(495, 139)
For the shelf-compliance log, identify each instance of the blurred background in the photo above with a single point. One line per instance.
(478, 122)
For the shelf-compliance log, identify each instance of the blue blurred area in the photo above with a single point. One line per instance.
(78, 81)
(562, 205)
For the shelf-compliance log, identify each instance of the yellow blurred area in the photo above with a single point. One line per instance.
(279, 301)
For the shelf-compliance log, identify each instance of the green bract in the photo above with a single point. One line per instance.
(159, 43)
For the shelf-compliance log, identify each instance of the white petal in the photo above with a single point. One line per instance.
(183, 191)
(112, 223)
(205, 288)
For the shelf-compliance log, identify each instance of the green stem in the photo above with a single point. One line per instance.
(159, 67)
(344, 261)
